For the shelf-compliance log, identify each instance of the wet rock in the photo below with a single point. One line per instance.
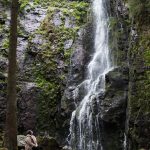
(118, 78)
(77, 62)
(113, 108)
(66, 148)
(82, 47)
(49, 143)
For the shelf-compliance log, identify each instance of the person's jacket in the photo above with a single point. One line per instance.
(30, 142)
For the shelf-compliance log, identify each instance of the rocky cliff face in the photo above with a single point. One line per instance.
(133, 54)
(52, 32)
(139, 83)
(49, 32)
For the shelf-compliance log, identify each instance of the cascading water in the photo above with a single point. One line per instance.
(84, 124)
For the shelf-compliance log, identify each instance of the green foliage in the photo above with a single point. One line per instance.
(139, 10)
(48, 101)
(23, 3)
(5, 44)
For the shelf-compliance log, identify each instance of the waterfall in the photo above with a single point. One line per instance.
(85, 123)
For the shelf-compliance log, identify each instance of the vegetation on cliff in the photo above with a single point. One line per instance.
(46, 56)
(52, 62)
(139, 59)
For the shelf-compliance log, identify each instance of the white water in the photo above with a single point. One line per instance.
(125, 142)
(85, 124)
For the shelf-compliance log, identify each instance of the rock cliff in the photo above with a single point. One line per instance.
(55, 43)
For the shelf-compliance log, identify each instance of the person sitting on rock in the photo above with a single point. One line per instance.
(30, 141)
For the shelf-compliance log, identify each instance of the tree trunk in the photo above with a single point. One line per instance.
(11, 117)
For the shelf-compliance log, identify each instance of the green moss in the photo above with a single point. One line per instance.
(5, 44)
(47, 103)
(50, 67)
(57, 35)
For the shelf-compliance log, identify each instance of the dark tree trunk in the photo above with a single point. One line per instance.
(11, 117)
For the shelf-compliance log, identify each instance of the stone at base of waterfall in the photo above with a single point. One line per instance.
(66, 148)
(48, 143)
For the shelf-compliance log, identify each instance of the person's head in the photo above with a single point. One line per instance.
(30, 132)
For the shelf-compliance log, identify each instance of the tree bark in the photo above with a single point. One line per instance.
(11, 117)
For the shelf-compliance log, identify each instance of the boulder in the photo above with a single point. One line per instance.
(27, 104)
(21, 140)
(66, 148)
(48, 143)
